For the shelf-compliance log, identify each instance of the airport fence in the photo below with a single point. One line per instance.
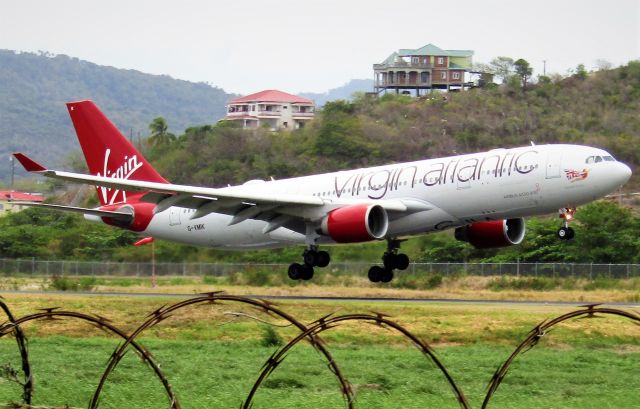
(48, 268)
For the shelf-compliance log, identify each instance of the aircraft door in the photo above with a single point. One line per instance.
(174, 216)
(554, 160)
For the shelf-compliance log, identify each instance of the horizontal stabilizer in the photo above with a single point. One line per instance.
(123, 216)
(29, 164)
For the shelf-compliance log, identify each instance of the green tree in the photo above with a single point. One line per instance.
(501, 67)
(606, 233)
(581, 72)
(524, 71)
(340, 140)
(159, 132)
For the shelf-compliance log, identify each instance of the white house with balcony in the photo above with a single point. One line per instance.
(272, 109)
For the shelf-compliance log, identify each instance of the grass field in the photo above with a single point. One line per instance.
(596, 290)
(212, 357)
(218, 374)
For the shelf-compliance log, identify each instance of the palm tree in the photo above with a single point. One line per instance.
(159, 134)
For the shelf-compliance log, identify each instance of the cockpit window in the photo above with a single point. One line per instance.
(597, 159)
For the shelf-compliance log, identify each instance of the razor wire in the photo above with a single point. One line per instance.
(311, 333)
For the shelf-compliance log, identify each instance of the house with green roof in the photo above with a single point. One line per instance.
(423, 69)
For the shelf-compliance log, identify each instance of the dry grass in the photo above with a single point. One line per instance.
(465, 287)
(469, 288)
(439, 323)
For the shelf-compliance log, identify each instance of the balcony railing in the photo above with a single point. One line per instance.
(402, 65)
(303, 114)
(239, 113)
(269, 113)
(395, 83)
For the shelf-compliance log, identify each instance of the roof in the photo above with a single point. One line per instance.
(391, 59)
(431, 49)
(13, 195)
(272, 95)
(428, 49)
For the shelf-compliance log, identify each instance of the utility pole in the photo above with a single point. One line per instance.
(13, 170)
(544, 67)
(154, 282)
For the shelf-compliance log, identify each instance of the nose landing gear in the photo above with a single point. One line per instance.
(312, 258)
(391, 260)
(565, 232)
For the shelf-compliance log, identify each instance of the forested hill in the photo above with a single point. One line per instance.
(35, 87)
(599, 109)
(345, 92)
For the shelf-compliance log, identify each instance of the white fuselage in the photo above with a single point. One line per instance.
(455, 191)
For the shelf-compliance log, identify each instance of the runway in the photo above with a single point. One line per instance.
(329, 298)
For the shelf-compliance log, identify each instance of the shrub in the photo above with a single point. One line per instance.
(257, 277)
(62, 283)
(523, 283)
(270, 337)
(283, 383)
(416, 282)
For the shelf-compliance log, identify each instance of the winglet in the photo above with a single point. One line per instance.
(29, 164)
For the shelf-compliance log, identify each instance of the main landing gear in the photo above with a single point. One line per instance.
(565, 232)
(311, 258)
(391, 260)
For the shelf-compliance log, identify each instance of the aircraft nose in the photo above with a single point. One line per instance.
(622, 173)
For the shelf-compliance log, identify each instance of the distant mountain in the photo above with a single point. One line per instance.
(344, 92)
(35, 87)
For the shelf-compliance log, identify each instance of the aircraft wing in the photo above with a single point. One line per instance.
(238, 201)
(138, 185)
(118, 215)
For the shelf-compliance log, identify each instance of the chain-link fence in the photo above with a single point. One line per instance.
(13, 267)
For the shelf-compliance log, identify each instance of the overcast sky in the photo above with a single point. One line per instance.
(305, 45)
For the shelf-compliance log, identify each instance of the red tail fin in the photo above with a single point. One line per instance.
(107, 151)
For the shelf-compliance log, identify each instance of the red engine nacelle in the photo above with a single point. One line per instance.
(357, 223)
(495, 233)
(141, 215)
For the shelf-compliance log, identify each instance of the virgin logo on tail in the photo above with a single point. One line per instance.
(128, 167)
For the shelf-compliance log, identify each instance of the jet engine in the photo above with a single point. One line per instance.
(132, 216)
(357, 223)
(491, 234)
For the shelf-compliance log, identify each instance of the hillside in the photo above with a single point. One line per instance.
(345, 92)
(34, 88)
(599, 109)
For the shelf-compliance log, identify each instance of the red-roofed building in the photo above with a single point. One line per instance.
(7, 197)
(272, 109)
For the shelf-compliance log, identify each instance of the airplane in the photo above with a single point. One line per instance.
(483, 196)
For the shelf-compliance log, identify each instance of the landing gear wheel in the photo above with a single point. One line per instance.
(307, 272)
(310, 257)
(323, 259)
(562, 233)
(295, 271)
(392, 261)
(375, 274)
(566, 233)
(389, 260)
(387, 276)
(402, 261)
